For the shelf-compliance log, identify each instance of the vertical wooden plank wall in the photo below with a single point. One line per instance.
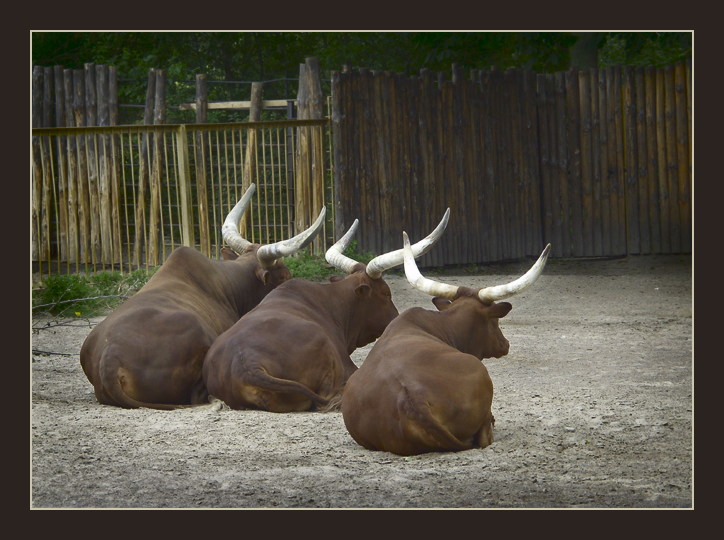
(596, 162)
(407, 148)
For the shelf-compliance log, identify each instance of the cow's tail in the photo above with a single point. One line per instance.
(423, 426)
(260, 378)
(112, 381)
(334, 404)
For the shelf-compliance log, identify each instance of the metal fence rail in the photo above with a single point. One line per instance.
(124, 197)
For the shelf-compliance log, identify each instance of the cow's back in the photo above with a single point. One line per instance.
(148, 356)
(414, 393)
(149, 351)
(287, 354)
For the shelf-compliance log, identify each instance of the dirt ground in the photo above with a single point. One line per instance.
(593, 409)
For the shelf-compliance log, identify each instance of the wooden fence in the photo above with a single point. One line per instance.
(597, 162)
(123, 197)
(75, 97)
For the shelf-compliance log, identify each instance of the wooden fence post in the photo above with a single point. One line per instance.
(143, 174)
(249, 174)
(302, 179)
(340, 157)
(78, 120)
(91, 109)
(630, 163)
(70, 149)
(616, 161)
(672, 167)
(115, 165)
(105, 183)
(586, 137)
(184, 181)
(596, 181)
(69, 209)
(37, 235)
(202, 106)
(652, 163)
(155, 228)
(309, 180)
(683, 154)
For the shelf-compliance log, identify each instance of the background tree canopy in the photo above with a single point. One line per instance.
(243, 57)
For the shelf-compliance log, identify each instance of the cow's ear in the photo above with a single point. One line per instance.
(263, 275)
(228, 255)
(336, 278)
(501, 309)
(363, 290)
(441, 303)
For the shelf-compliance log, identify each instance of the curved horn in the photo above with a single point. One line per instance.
(230, 228)
(395, 258)
(269, 253)
(417, 280)
(499, 292)
(334, 254)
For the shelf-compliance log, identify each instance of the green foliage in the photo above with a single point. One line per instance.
(537, 51)
(353, 251)
(656, 49)
(262, 56)
(86, 295)
(316, 268)
(64, 288)
(232, 60)
(307, 266)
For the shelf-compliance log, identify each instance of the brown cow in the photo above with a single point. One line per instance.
(423, 388)
(292, 352)
(149, 351)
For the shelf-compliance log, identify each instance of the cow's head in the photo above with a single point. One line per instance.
(475, 312)
(266, 258)
(374, 307)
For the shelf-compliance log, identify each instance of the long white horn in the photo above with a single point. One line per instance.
(499, 292)
(417, 280)
(334, 254)
(230, 228)
(395, 258)
(269, 253)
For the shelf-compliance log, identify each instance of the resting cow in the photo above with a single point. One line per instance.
(423, 388)
(149, 351)
(292, 352)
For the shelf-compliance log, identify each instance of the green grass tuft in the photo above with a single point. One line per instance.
(316, 268)
(307, 266)
(87, 295)
(355, 253)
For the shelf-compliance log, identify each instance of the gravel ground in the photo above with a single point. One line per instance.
(593, 409)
